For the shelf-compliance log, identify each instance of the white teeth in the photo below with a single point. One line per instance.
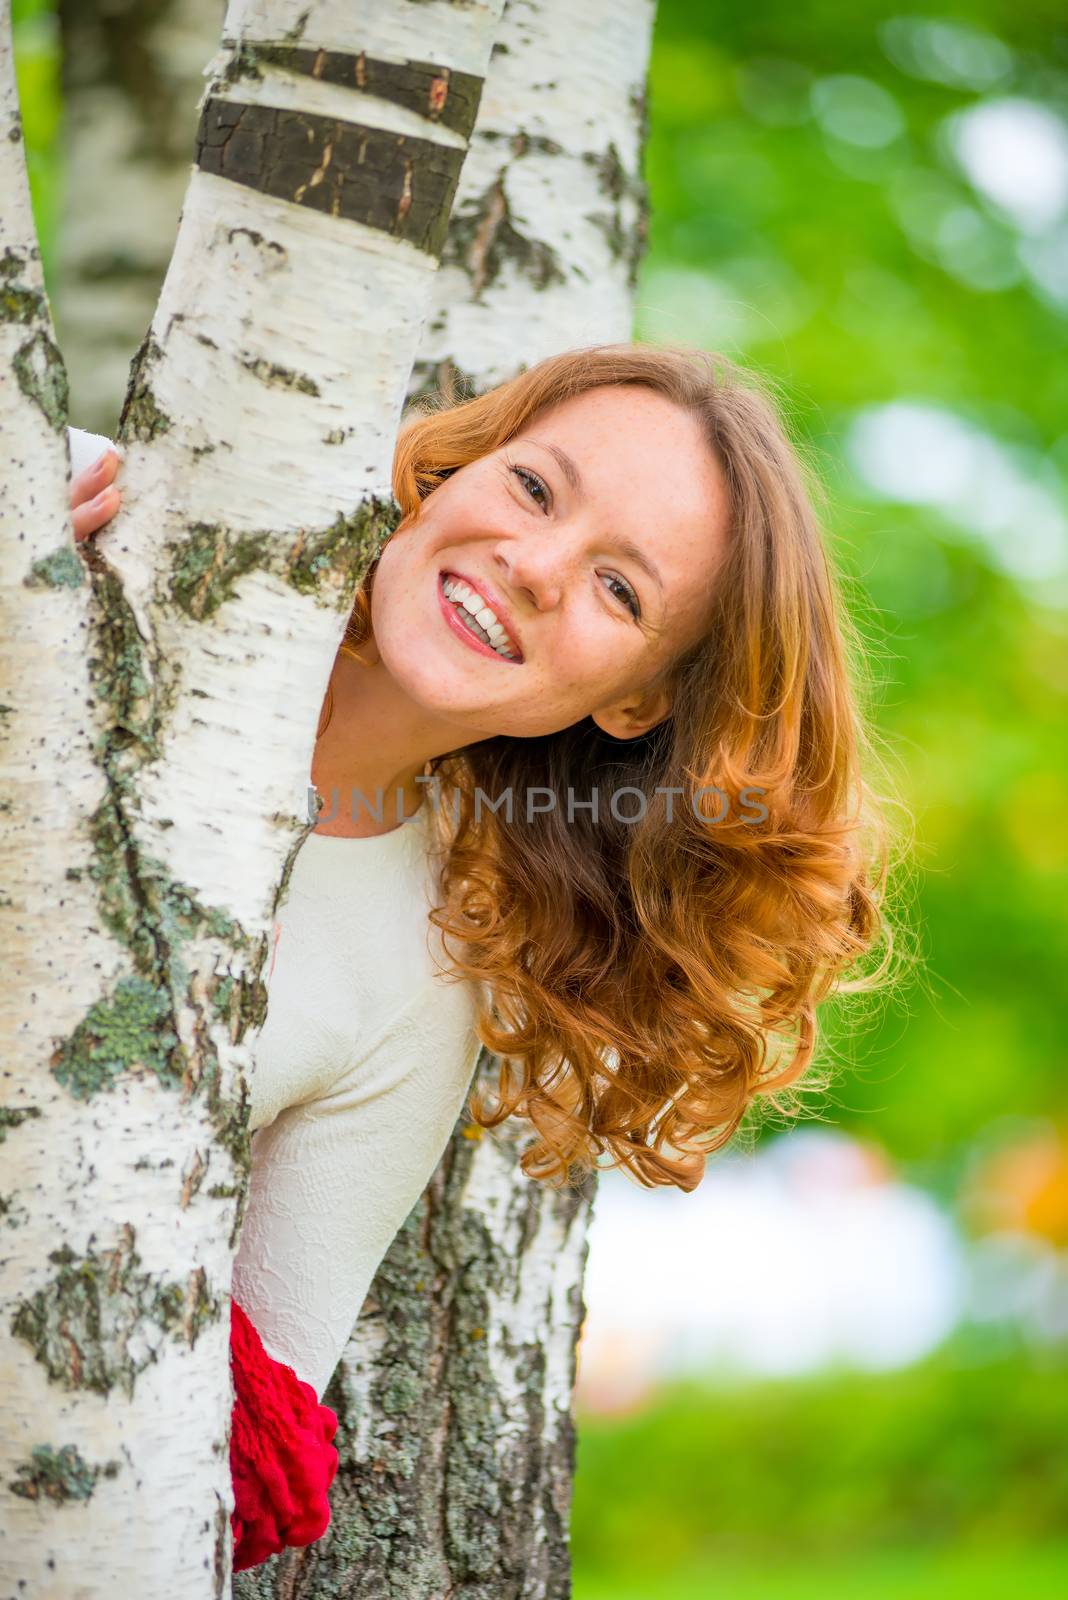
(462, 594)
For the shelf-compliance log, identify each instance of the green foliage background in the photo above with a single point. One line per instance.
(830, 267)
(842, 309)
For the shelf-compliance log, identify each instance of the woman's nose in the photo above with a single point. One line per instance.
(534, 569)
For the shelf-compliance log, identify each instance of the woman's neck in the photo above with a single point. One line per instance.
(375, 746)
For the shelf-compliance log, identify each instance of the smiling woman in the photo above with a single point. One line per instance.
(651, 621)
(606, 629)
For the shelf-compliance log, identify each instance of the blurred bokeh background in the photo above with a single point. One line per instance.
(839, 1368)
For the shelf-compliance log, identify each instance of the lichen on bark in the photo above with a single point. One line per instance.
(142, 417)
(127, 1032)
(324, 563)
(336, 558)
(206, 564)
(42, 377)
(18, 303)
(60, 569)
(59, 1475)
(119, 668)
(89, 1325)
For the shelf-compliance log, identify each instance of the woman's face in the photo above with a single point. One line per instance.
(594, 536)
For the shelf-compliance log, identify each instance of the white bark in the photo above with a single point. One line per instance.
(549, 218)
(141, 872)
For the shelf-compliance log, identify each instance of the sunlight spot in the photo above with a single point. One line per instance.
(856, 110)
(942, 50)
(1010, 497)
(1015, 152)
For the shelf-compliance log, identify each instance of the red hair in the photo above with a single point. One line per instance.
(644, 982)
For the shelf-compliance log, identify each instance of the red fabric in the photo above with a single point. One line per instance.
(281, 1459)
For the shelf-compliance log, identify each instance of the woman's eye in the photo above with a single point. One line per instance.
(533, 485)
(629, 598)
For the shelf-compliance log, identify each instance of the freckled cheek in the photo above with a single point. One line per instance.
(400, 584)
(580, 673)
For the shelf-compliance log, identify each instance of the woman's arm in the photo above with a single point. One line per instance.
(332, 1181)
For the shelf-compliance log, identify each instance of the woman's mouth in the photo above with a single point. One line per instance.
(472, 632)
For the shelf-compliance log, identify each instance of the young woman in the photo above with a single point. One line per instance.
(602, 684)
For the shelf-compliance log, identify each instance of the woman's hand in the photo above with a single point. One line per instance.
(94, 496)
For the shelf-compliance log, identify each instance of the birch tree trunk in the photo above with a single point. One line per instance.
(132, 74)
(454, 1394)
(161, 691)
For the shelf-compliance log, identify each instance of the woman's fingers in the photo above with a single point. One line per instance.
(90, 482)
(91, 517)
(94, 498)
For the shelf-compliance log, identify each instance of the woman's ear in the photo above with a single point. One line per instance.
(629, 719)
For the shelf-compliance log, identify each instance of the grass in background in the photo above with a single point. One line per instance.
(945, 1478)
(939, 1573)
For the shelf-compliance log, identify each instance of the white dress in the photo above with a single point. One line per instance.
(361, 1071)
(359, 1075)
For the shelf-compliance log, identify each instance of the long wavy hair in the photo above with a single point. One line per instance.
(644, 978)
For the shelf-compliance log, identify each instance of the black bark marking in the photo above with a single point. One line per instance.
(482, 238)
(389, 181)
(438, 93)
(270, 372)
(13, 1117)
(626, 241)
(13, 1213)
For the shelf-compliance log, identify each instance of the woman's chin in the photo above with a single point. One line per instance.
(428, 677)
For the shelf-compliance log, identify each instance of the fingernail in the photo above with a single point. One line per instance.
(103, 497)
